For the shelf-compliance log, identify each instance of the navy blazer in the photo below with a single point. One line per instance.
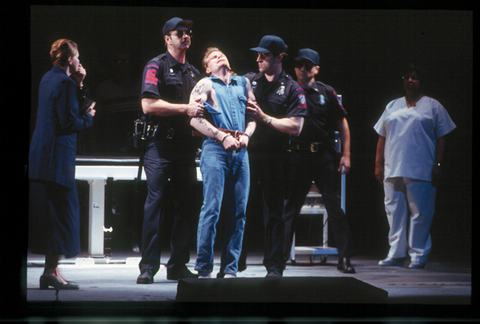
(54, 142)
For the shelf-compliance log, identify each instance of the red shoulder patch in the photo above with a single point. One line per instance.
(151, 77)
(302, 100)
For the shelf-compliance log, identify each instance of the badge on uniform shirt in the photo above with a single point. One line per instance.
(281, 90)
(192, 74)
(322, 99)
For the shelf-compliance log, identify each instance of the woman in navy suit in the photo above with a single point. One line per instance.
(55, 221)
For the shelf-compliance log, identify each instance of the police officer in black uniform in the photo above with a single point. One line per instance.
(169, 161)
(279, 110)
(313, 156)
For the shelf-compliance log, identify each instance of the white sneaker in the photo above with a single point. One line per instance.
(416, 265)
(229, 275)
(204, 275)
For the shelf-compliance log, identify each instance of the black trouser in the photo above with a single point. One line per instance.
(170, 170)
(272, 171)
(320, 167)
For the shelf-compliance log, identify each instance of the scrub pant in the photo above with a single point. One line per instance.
(409, 205)
(170, 170)
(224, 173)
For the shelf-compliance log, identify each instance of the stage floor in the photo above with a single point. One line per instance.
(106, 288)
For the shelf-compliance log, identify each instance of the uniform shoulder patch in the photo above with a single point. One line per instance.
(151, 75)
(339, 99)
(302, 100)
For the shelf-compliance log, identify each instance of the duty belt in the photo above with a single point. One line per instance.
(171, 133)
(313, 147)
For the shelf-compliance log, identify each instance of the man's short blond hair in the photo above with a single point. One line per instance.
(209, 51)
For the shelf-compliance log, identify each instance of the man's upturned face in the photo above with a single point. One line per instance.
(216, 60)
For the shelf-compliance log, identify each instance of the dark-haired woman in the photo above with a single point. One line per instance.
(408, 162)
(54, 207)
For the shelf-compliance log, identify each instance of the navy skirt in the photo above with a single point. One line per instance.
(54, 220)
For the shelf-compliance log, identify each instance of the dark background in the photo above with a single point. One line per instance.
(362, 55)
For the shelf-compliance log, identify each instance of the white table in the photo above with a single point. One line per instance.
(96, 171)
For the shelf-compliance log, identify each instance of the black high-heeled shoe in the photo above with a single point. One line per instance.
(46, 282)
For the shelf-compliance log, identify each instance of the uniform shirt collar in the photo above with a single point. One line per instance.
(314, 87)
(173, 62)
(281, 78)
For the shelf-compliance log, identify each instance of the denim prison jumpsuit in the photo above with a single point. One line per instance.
(224, 173)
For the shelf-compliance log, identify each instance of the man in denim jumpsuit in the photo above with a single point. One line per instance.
(224, 162)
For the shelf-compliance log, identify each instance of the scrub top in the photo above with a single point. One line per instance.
(411, 136)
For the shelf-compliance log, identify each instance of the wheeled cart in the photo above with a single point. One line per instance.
(314, 206)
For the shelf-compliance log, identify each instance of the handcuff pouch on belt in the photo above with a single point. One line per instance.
(143, 130)
(314, 147)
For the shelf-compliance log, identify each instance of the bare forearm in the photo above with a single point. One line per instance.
(440, 150)
(288, 125)
(162, 108)
(250, 129)
(379, 156)
(206, 128)
(379, 159)
(345, 163)
(291, 126)
(436, 173)
(344, 131)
